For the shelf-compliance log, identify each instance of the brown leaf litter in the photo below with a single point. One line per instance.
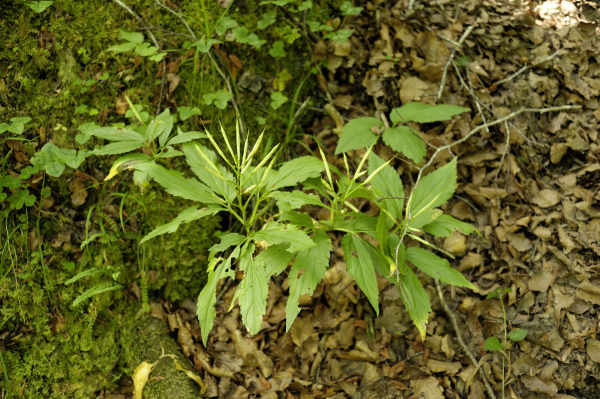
(530, 186)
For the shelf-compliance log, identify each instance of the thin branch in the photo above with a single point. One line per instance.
(527, 67)
(178, 16)
(477, 104)
(506, 145)
(451, 58)
(459, 337)
(441, 6)
(166, 32)
(145, 25)
(482, 104)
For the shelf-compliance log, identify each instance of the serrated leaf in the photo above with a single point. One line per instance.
(187, 216)
(294, 172)
(277, 233)
(133, 37)
(186, 137)
(276, 258)
(208, 298)
(299, 219)
(383, 233)
(382, 263)
(493, 344)
(199, 166)
(287, 201)
(314, 262)
(117, 148)
(361, 267)
(360, 223)
(403, 140)
(517, 335)
(358, 133)
(434, 189)
(252, 293)
(418, 304)
(111, 133)
(426, 217)
(161, 127)
(126, 162)
(175, 184)
(386, 183)
(425, 113)
(444, 225)
(169, 153)
(227, 241)
(436, 267)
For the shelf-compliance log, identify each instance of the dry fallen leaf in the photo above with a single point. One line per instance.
(140, 378)
(546, 198)
(192, 376)
(519, 242)
(428, 388)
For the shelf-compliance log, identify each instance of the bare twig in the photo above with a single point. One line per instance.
(166, 32)
(477, 103)
(441, 6)
(527, 67)
(482, 104)
(459, 337)
(451, 59)
(178, 16)
(145, 25)
(506, 145)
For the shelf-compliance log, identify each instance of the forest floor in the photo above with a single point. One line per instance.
(531, 186)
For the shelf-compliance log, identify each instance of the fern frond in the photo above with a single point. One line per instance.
(89, 240)
(98, 289)
(85, 273)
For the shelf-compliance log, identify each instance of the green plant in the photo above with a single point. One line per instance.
(493, 344)
(248, 192)
(16, 125)
(135, 41)
(37, 6)
(358, 133)
(154, 137)
(53, 159)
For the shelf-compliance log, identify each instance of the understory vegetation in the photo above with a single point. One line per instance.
(164, 159)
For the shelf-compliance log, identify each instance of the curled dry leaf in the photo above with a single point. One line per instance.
(565, 240)
(140, 378)
(545, 233)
